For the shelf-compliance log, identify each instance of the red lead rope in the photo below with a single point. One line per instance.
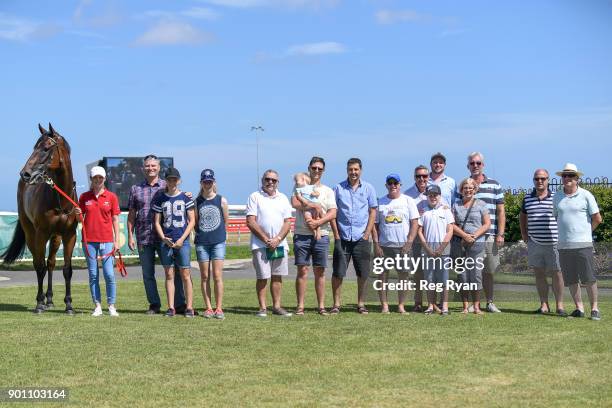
(118, 258)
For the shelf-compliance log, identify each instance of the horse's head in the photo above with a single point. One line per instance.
(51, 152)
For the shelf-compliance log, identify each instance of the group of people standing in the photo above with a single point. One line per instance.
(431, 217)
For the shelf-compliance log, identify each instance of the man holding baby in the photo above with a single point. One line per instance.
(316, 207)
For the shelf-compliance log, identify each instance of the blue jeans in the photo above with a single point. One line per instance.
(100, 249)
(146, 253)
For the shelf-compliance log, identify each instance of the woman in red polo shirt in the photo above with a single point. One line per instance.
(100, 209)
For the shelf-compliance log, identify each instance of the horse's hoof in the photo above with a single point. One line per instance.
(70, 312)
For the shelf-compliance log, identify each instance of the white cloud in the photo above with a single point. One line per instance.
(172, 33)
(312, 4)
(397, 16)
(17, 29)
(319, 48)
(199, 13)
(99, 15)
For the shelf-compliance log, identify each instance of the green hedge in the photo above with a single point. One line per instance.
(603, 195)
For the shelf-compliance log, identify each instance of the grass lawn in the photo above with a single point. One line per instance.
(511, 359)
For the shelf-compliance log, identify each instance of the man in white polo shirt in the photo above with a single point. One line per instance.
(577, 216)
(268, 217)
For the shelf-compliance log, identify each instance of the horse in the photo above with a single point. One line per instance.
(45, 216)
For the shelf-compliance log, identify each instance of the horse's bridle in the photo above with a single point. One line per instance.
(40, 176)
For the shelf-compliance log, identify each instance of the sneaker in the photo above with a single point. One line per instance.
(577, 313)
(152, 310)
(208, 314)
(491, 308)
(281, 312)
(97, 311)
(219, 314)
(112, 311)
(471, 309)
(170, 313)
(262, 313)
(181, 309)
(595, 315)
(189, 313)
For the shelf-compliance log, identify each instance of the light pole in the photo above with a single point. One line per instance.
(257, 129)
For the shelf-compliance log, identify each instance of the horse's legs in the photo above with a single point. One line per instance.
(37, 244)
(69, 239)
(53, 247)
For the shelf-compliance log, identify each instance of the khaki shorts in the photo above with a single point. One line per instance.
(265, 268)
(491, 261)
(543, 256)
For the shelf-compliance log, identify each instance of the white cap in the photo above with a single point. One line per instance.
(97, 171)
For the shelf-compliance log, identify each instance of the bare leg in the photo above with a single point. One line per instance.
(418, 293)
(382, 294)
(187, 287)
(218, 277)
(542, 287)
(319, 273)
(170, 286)
(401, 294)
(577, 296)
(260, 287)
(300, 285)
(337, 290)
(205, 283)
(362, 283)
(557, 284)
(593, 294)
(275, 289)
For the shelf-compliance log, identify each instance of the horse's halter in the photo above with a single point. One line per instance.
(39, 173)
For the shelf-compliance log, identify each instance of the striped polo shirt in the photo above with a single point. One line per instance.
(490, 191)
(541, 223)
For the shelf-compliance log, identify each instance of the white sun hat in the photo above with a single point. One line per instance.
(570, 168)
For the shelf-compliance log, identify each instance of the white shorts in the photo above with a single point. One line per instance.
(265, 268)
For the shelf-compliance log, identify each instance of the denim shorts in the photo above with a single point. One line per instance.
(306, 247)
(181, 256)
(214, 252)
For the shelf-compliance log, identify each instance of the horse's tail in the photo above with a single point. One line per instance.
(16, 247)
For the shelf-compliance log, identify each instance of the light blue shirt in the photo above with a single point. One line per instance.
(354, 208)
(573, 213)
(448, 187)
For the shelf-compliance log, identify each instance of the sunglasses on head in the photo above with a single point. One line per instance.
(151, 156)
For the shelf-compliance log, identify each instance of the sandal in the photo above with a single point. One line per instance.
(335, 310)
(417, 308)
(322, 311)
(362, 310)
(428, 311)
(299, 311)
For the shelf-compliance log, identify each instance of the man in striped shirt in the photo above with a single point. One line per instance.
(489, 191)
(539, 231)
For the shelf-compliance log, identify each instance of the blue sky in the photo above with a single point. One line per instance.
(526, 83)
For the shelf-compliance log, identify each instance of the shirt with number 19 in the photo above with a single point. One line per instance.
(173, 210)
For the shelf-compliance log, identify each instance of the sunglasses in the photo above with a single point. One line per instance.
(315, 168)
(540, 178)
(150, 156)
(475, 163)
(569, 175)
(393, 183)
(270, 180)
(423, 176)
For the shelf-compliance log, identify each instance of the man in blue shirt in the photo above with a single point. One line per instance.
(356, 213)
(447, 184)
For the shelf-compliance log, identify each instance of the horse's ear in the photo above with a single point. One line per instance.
(42, 129)
(51, 130)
